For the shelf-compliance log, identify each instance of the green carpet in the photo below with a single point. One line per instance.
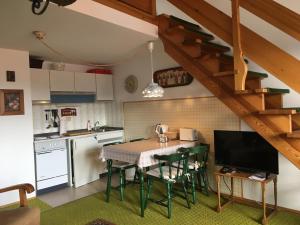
(89, 208)
(32, 203)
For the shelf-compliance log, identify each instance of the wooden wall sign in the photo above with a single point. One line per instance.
(11, 102)
(172, 77)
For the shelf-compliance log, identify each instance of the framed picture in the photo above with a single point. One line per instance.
(172, 77)
(11, 102)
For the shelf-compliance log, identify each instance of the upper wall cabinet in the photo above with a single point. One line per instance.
(85, 82)
(104, 87)
(40, 87)
(61, 81)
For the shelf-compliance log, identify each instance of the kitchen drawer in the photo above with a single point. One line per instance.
(52, 182)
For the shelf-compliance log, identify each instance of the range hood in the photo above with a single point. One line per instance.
(73, 97)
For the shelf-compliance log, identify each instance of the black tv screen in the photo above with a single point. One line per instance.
(245, 150)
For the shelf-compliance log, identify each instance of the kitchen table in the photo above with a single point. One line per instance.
(141, 153)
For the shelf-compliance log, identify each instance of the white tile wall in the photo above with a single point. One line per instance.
(87, 111)
(204, 114)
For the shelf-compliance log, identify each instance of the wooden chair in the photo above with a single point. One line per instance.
(121, 168)
(197, 166)
(169, 175)
(22, 215)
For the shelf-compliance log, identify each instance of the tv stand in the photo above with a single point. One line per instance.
(245, 176)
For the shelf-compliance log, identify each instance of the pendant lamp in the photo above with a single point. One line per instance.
(153, 90)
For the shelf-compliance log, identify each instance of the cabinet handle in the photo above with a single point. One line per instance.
(42, 153)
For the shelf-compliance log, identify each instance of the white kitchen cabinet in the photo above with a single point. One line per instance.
(86, 162)
(40, 85)
(85, 82)
(61, 81)
(104, 87)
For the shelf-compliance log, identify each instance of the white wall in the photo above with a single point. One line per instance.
(16, 142)
(289, 178)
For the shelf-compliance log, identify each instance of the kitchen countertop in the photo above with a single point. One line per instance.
(93, 133)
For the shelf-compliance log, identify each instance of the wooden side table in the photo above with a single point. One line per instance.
(245, 176)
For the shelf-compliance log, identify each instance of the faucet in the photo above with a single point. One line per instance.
(96, 123)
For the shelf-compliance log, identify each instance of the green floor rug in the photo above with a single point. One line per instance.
(85, 210)
(35, 202)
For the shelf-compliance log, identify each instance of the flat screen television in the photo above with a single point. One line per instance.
(245, 150)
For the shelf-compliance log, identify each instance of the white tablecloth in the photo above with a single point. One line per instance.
(142, 152)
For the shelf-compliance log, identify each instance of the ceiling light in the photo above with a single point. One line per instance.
(153, 90)
(38, 7)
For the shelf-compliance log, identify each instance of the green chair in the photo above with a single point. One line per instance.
(121, 168)
(197, 166)
(168, 174)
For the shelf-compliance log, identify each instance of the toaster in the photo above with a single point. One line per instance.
(188, 134)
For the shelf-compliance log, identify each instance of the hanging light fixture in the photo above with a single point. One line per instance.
(153, 90)
(39, 6)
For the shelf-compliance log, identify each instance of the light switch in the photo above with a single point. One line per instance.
(10, 76)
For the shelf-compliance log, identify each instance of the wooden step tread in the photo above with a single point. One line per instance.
(218, 46)
(230, 57)
(278, 112)
(297, 109)
(185, 23)
(250, 75)
(254, 74)
(207, 47)
(294, 134)
(264, 91)
(192, 34)
(272, 90)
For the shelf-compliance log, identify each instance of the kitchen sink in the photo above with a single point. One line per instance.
(106, 128)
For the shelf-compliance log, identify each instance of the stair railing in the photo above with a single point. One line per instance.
(240, 67)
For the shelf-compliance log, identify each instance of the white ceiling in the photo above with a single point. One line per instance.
(79, 37)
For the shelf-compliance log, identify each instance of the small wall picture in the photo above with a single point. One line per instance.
(11, 102)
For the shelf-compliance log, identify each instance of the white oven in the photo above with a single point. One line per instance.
(51, 163)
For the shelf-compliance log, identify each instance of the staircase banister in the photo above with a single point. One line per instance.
(276, 14)
(255, 47)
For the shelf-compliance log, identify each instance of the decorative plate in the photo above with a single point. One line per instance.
(131, 84)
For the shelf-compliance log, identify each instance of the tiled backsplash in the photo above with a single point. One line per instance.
(87, 111)
(204, 114)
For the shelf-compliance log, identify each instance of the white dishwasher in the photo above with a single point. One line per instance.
(51, 163)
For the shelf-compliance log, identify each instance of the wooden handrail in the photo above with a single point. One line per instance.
(270, 57)
(145, 10)
(275, 14)
(240, 67)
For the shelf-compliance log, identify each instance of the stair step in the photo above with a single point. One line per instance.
(229, 58)
(272, 90)
(222, 48)
(278, 112)
(297, 109)
(294, 134)
(265, 91)
(254, 75)
(251, 74)
(186, 24)
(197, 48)
(191, 34)
(202, 35)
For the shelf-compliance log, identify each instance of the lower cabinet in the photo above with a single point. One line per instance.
(86, 163)
(85, 151)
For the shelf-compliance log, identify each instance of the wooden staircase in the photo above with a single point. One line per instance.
(208, 62)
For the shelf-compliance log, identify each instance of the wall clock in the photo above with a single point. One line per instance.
(131, 84)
